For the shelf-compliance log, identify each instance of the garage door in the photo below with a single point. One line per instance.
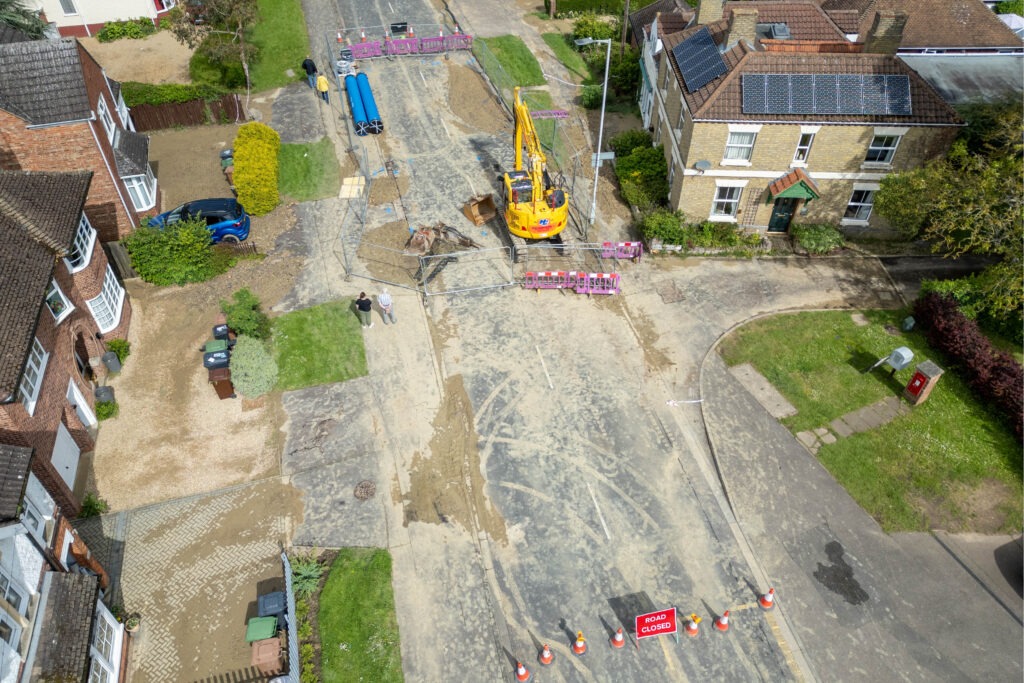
(65, 456)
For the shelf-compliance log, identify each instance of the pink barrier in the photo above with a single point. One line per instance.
(432, 45)
(545, 280)
(628, 250)
(578, 281)
(603, 283)
(402, 46)
(367, 50)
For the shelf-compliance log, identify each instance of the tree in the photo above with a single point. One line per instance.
(17, 16)
(971, 201)
(221, 33)
(175, 254)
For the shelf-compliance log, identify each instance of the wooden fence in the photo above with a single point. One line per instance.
(228, 109)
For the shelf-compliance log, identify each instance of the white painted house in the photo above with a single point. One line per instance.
(86, 17)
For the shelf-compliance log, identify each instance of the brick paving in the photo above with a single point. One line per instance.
(860, 420)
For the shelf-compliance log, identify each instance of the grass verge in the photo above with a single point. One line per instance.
(946, 464)
(561, 45)
(358, 630)
(283, 42)
(515, 59)
(309, 170)
(318, 345)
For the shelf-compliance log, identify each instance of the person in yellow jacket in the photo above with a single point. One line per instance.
(322, 87)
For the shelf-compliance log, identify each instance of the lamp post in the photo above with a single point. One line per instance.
(600, 130)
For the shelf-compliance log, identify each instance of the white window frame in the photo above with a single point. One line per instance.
(744, 150)
(85, 240)
(122, 113)
(32, 377)
(734, 202)
(67, 307)
(9, 586)
(890, 149)
(108, 303)
(104, 666)
(870, 188)
(103, 112)
(803, 146)
(15, 637)
(141, 189)
(63, 7)
(668, 74)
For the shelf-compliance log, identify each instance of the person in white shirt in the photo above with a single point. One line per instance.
(387, 307)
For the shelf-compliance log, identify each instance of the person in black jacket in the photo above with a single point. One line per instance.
(363, 308)
(309, 66)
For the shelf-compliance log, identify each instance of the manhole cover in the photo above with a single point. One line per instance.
(365, 490)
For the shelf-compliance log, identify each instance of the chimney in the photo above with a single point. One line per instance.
(743, 26)
(708, 11)
(886, 32)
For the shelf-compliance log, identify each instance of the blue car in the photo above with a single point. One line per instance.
(226, 219)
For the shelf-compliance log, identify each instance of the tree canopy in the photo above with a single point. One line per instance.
(16, 15)
(221, 33)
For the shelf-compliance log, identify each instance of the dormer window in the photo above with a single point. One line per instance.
(81, 249)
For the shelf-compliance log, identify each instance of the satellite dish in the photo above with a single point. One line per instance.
(702, 166)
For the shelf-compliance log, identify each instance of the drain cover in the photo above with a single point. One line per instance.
(365, 489)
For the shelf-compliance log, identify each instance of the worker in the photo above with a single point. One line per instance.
(322, 87)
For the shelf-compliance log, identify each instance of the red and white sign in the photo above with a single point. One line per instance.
(657, 623)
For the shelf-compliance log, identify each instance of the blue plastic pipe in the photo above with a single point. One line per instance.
(375, 125)
(356, 103)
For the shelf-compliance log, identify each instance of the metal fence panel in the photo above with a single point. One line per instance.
(466, 271)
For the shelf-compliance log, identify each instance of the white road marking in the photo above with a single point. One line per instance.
(673, 402)
(544, 365)
(599, 515)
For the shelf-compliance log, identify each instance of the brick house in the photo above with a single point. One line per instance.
(84, 18)
(769, 115)
(59, 112)
(53, 623)
(61, 299)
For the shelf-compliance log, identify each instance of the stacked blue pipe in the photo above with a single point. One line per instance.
(373, 122)
(356, 103)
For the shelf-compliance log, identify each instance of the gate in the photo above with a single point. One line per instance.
(476, 269)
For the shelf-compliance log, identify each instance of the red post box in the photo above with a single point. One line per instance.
(920, 385)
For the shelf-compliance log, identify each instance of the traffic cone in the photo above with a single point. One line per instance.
(722, 622)
(362, 36)
(546, 657)
(458, 31)
(340, 39)
(691, 626)
(410, 33)
(767, 601)
(440, 33)
(522, 673)
(617, 639)
(579, 647)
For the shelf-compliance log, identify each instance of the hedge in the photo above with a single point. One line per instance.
(253, 368)
(131, 28)
(256, 167)
(577, 7)
(148, 93)
(995, 377)
(817, 238)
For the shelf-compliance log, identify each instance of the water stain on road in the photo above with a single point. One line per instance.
(838, 576)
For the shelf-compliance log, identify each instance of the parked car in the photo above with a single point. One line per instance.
(226, 218)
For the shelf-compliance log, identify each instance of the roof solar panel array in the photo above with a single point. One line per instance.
(876, 94)
(699, 60)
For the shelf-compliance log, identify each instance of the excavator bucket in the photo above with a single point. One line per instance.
(480, 209)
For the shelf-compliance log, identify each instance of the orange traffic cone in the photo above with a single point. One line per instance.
(579, 647)
(691, 626)
(767, 601)
(722, 622)
(410, 33)
(522, 673)
(362, 36)
(617, 639)
(546, 657)
(458, 31)
(340, 39)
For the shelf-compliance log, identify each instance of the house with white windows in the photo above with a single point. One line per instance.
(59, 112)
(769, 115)
(54, 625)
(87, 17)
(61, 300)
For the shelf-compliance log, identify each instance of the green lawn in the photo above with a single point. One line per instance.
(283, 42)
(358, 630)
(318, 345)
(931, 459)
(309, 170)
(561, 45)
(515, 58)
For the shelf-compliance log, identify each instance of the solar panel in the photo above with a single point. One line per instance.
(848, 94)
(699, 60)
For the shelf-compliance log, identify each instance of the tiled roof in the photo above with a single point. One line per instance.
(806, 21)
(41, 81)
(131, 153)
(721, 99)
(787, 181)
(9, 34)
(848, 20)
(858, 6)
(642, 18)
(14, 462)
(65, 627)
(39, 215)
(945, 24)
(115, 87)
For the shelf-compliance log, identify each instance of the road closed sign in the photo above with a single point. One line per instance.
(657, 623)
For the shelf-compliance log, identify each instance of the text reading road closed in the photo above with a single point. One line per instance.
(656, 623)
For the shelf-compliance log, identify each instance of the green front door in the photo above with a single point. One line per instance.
(782, 214)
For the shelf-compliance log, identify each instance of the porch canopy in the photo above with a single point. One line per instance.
(795, 185)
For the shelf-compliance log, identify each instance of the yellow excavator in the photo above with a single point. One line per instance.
(535, 208)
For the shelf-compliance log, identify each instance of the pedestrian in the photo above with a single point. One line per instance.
(387, 306)
(363, 308)
(310, 68)
(227, 165)
(322, 86)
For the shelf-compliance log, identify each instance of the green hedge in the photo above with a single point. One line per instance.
(177, 254)
(147, 93)
(253, 368)
(132, 28)
(256, 167)
(817, 238)
(671, 228)
(641, 169)
(577, 7)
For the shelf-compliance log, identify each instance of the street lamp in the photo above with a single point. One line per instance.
(600, 131)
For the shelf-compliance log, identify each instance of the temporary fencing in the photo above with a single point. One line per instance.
(578, 281)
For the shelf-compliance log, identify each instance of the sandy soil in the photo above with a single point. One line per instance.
(187, 163)
(158, 58)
